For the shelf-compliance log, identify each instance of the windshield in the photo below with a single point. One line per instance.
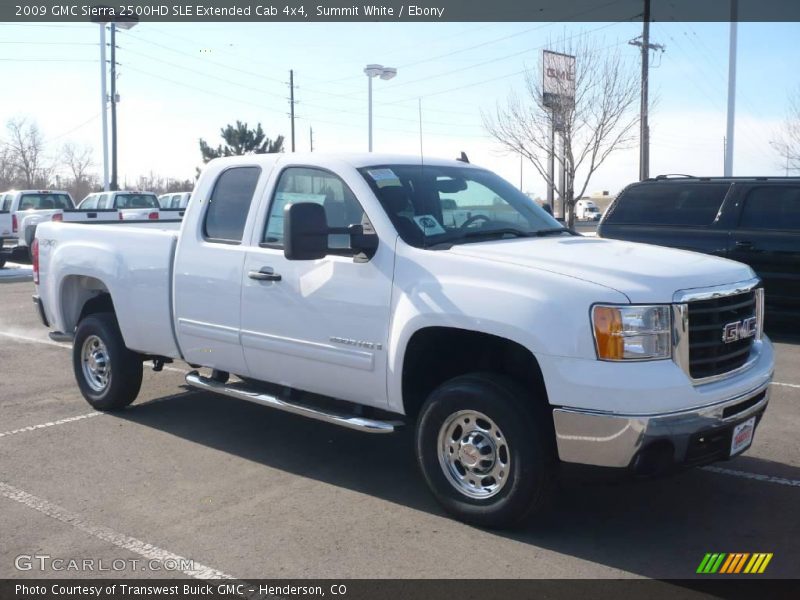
(136, 201)
(44, 201)
(431, 205)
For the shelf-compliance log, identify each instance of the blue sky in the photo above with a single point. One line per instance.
(179, 82)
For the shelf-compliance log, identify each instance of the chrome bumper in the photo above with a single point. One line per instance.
(662, 440)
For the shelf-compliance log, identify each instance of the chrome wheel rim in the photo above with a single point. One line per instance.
(474, 454)
(96, 363)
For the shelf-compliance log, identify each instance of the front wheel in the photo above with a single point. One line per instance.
(108, 373)
(486, 453)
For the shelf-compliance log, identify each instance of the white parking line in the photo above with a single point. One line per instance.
(791, 385)
(49, 424)
(33, 340)
(126, 542)
(755, 476)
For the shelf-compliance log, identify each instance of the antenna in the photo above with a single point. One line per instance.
(421, 156)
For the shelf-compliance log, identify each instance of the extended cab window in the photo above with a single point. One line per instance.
(102, 201)
(229, 204)
(681, 204)
(773, 207)
(300, 184)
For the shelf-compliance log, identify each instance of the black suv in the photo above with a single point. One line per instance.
(755, 220)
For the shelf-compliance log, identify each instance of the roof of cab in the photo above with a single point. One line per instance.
(356, 160)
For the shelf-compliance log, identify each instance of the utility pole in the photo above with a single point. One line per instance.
(311, 138)
(731, 88)
(113, 185)
(291, 102)
(644, 128)
(104, 103)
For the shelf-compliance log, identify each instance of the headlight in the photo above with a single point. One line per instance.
(632, 332)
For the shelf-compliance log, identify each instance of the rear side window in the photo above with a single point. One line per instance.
(44, 201)
(230, 203)
(6, 205)
(88, 203)
(135, 201)
(687, 204)
(774, 207)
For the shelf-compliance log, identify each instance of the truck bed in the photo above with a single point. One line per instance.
(133, 262)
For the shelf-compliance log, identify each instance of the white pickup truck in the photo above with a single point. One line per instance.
(374, 291)
(21, 212)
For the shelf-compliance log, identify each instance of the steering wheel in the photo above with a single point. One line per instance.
(474, 219)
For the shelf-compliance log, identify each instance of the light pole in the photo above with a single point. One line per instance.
(122, 25)
(372, 71)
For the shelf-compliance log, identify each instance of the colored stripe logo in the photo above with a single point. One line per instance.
(734, 563)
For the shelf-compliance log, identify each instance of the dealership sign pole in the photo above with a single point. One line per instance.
(558, 94)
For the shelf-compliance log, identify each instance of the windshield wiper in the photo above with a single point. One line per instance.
(489, 232)
(553, 231)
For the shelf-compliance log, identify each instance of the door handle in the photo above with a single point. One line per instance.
(743, 244)
(264, 274)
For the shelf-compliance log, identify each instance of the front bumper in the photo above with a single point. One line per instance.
(651, 443)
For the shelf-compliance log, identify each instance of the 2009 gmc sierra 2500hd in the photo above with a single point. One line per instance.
(372, 291)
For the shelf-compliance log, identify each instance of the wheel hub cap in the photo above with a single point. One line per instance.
(474, 454)
(95, 363)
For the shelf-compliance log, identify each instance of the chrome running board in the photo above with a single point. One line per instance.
(196, 380)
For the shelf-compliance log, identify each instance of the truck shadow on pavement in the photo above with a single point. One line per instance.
(657, 528)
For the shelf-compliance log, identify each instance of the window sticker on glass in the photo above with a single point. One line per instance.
(428, 224)
(384, 177)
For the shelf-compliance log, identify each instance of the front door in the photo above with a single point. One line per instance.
(317, 325)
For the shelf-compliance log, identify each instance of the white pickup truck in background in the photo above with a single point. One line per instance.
(22, 211)
(373, 292)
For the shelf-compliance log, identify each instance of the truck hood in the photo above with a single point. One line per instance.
(644, 273)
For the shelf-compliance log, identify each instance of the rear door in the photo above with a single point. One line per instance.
(767, 237)
(208, 274)
(677, 214)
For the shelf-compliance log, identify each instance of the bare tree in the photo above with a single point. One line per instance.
(26, 149)
(7, 168)
(78, 161)
(787, 141)
(600, 119)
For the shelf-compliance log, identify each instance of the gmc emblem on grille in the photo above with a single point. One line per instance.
(739, 330)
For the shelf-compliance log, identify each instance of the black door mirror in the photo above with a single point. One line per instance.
(305, 231)
(548, 209)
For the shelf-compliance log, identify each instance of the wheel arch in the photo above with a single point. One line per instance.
(80, 296)
(435, 354)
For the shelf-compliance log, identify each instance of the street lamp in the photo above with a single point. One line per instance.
(100, 15)
(122, 24)
(372, 71)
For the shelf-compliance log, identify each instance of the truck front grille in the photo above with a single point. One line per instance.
(709, 353)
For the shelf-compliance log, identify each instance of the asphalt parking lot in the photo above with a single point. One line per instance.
(249, 492)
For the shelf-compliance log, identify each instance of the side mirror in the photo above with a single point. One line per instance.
(305, 231)
(548, 209)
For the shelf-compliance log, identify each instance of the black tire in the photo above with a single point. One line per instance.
(125, 375)
(521, 425)
(2, 262)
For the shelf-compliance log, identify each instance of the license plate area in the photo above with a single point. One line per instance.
(742, 436)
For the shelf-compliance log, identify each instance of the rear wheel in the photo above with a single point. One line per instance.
(485, 453)
(108, 373)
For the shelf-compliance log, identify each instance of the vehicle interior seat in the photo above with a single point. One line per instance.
(400, 210)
